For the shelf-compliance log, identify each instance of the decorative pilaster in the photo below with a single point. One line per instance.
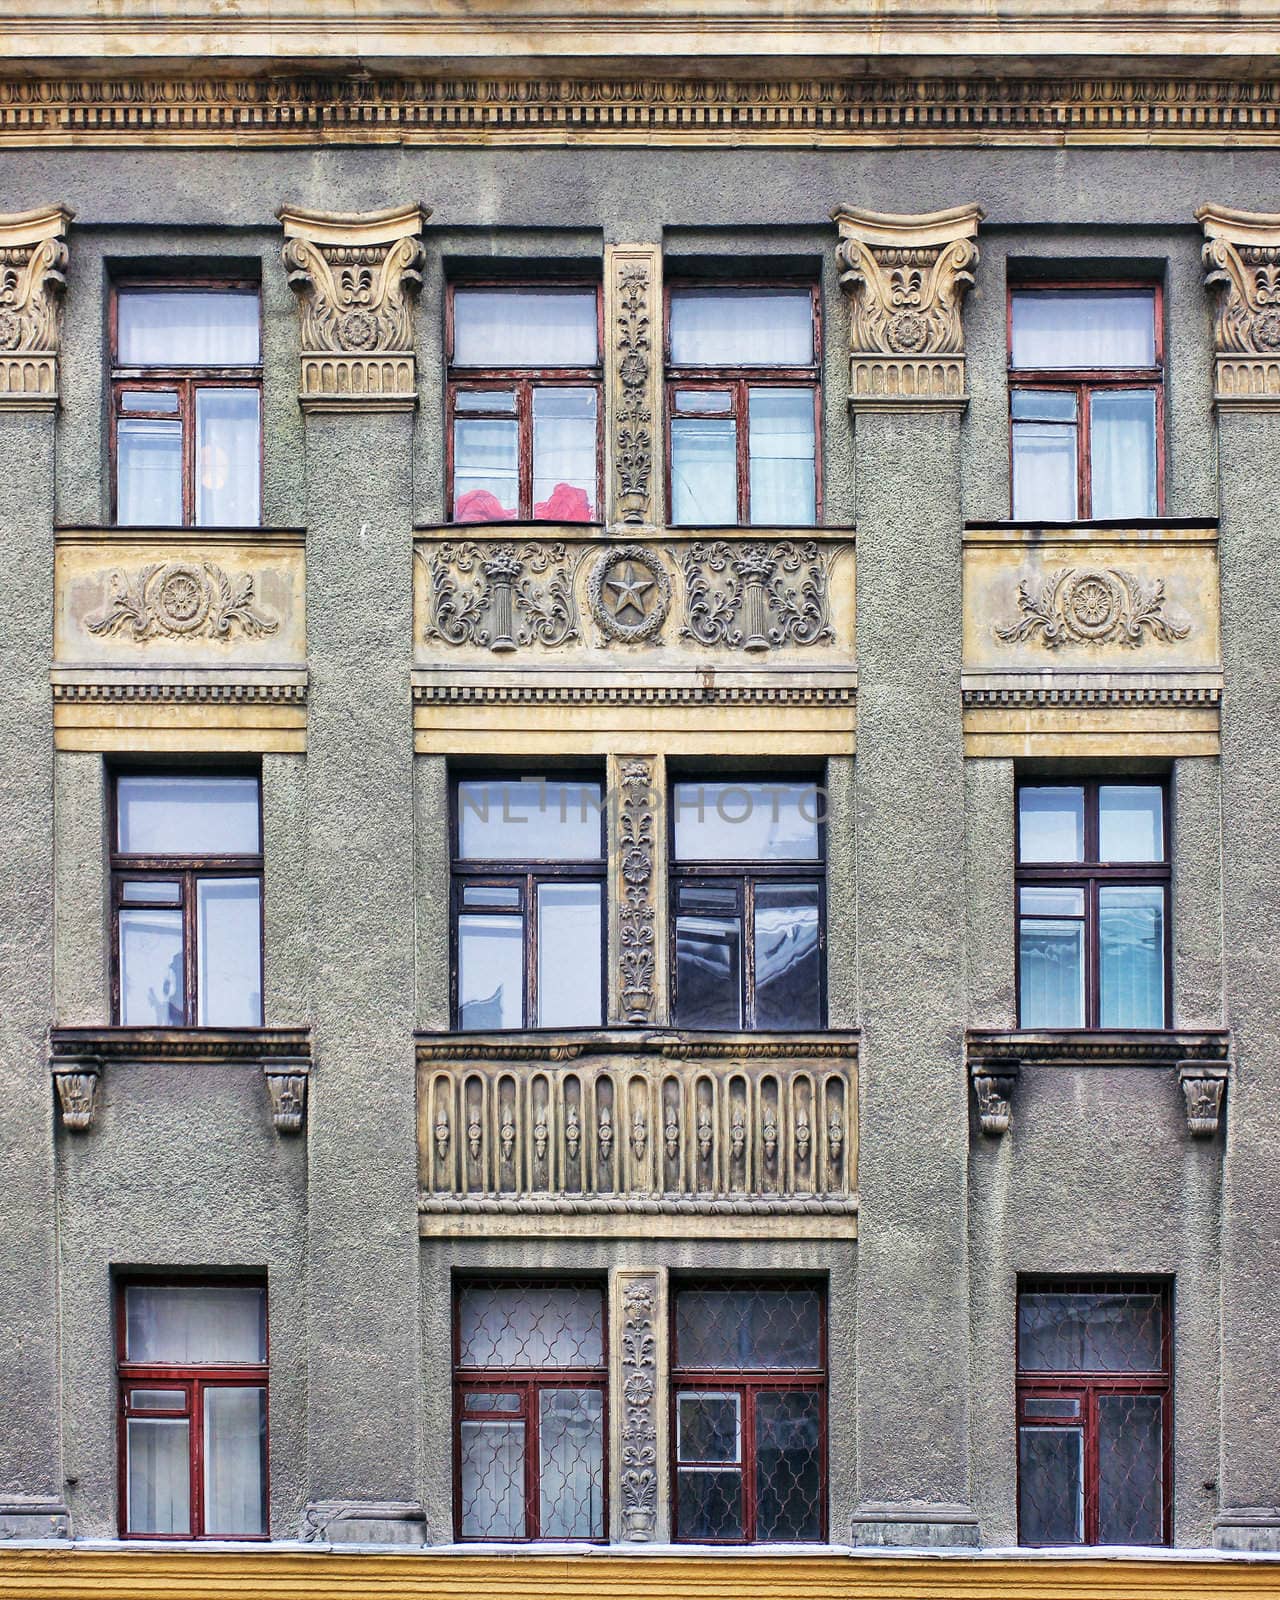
(1242, 255)
(633, 324)
(993, 1086)
(639, 1510)
(354, 276)
(1204, 1083)
(33, 260)
(637, 992)
(77, 1080)
(906, 276)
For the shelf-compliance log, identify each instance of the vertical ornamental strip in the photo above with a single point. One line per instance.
(639, 1511)
(637, 865)
(633, 357)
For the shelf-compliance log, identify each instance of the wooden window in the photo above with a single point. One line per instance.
(186, 403)
(1095, 1413)
(528, 903)
(186, 869)
(192, 1369)
(525, 431)
(1086, 401)
(530, 1370)
(743, 405)
(1093, 905)
(748, 925)
(749, 1412)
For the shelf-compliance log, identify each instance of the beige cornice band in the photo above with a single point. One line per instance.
(33, 260)
(1242, 258)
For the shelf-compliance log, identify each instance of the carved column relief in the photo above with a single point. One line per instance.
(1242, 255)
(637, 864)
(907, 277)
(638, 1362)
(354, 277)
(33, 261)
(633, 350)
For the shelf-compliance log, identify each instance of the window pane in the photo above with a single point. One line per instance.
(492, 1400)
(704, 402)
(466, 400)
(185, 1323)
(229, 952)
(564, 454)
(709, 1503)
(571, 1463)
(188, 816)
(482, 894)
(530, 819)
(1044, 471)
(788, 1465)
(569, 955)
(1052, 901)
(741, 327)
(1051, 973)
(1043, 405)
(750, 1329)
(704, 471)
(1050, 1485)
(151, 974)
(490, 972)
(149, 400)
(157, 1399)
(1051, 824)
(486, 470)
(788, 990)
(1122, 452)
(709, 1427)
(708, 958)
(227, 458)
(781, 447)
(747, 821)
(1131, 953)
(1130, 822)
(1101, 1331)
(159, 1471)
(1086, 329)
(1067, 1410)
(1130, 1469)
(152, 891)
(188, 328)
(149, 474)
(531, 1325)
(524, 328)
(492, 1472)
(235, 1460)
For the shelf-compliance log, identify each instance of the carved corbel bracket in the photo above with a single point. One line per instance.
(76, 1079)
(33, 261)
(1242, 258)
(1204, 1084)
(287, 1079)
(906, 277)
(993, 1085)
(355, 276)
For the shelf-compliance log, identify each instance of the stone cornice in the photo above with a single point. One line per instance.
(550, 1046)
(214, 1045)
(1102, 1047)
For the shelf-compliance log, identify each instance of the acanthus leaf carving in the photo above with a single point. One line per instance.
(33, 266)
(745, 598)
(180, 600)
(638, 1435)
(1092, 606)
(633, 438)
(637, 911)
(487, 595)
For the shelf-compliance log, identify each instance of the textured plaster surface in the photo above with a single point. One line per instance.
(81, 889)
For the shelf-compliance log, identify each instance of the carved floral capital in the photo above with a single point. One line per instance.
(1242, 261)
(906, 277)
(355, 276)
(33, 262)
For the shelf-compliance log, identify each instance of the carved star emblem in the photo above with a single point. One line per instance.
(630, 588)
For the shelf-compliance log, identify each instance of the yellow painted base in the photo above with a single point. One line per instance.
(174, 729)
(76, 1574)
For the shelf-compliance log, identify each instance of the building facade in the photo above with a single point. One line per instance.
(638, 915)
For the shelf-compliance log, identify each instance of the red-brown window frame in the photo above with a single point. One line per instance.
(1083, 381)
(1091, 874)
(1088, 1386)
(523, 380)
(186, 380)
(738, 379)
(186, 868)
(193, 1379)
(748, 1383)
(527, 1382)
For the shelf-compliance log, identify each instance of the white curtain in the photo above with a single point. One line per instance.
(183, 1324)
(525, 328)
(741, 327)
(188, 328)
(1085, 330)
(229, 952)
(781, 442)
(227, 458)
(1122, 452)
(235, 1422)
(159, 1466)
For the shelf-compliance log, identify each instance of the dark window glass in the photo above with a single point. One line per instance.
(1093, 895)
(749, 1413)
(1094, 1405)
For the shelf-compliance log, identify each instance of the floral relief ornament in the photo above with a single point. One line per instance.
(1092, 606)
(180, 600)
(354, 278)
(907, 276)
(501, 596)
(633, 424)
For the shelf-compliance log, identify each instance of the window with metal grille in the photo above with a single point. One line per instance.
(528, 903)
(1093, 905)
(1095, 1412)
(525, 436)
(193, 1410)
(747, 905)
(743, 367)
(749, 1412)
(530, 1369)
(1086, 401)
(186, 402)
